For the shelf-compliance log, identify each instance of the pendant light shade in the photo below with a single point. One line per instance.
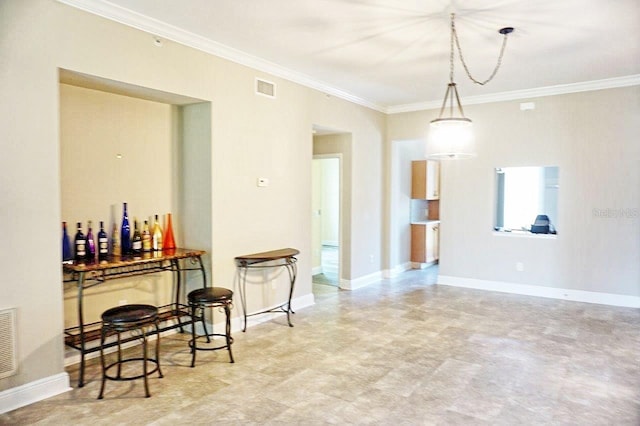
(451, 137)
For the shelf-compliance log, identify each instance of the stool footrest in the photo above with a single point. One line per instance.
(212, 348)
(139, 376)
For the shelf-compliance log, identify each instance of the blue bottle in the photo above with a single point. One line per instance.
(67, 254)
(125, 232)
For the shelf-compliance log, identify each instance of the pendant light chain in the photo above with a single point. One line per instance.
(454, 35)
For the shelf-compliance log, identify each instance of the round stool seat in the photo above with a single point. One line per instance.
(210, 295)
(123, 315)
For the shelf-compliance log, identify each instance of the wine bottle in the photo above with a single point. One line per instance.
(125, 232)
(146, 237)
(67, 253)
(169, 242)
(103, 243)
(156, 237)
(80, 244)
(91, 243)
(136, 241)
(116, 249)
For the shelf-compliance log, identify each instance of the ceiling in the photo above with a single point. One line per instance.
(393, 55)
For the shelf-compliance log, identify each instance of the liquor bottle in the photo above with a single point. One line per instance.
(116, 249)
(169, 242)
(156, 236)
(67, 253)
(80, 243)
(125, 232)
(103, 243)
(146, 237)
(91, 243)
(136, 241)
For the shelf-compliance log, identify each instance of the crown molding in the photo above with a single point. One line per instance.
(561, 89)
(161, 29)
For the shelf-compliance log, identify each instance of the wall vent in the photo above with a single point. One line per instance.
(265, 88)
(8, 362)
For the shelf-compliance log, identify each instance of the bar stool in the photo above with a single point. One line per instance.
(137, 319)
(210, 297)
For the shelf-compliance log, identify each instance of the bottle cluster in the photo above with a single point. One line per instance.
(144, 239)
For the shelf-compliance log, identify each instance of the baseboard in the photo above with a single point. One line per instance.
(360, 282)
(399, 269)
(541, 291)
(418, 265)
(317, 270)
(35, 391)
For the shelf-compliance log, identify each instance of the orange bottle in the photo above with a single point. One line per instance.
(169, 242)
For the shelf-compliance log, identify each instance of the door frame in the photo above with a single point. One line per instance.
(340, 208)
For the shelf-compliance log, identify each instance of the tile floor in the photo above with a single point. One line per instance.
(401, 351)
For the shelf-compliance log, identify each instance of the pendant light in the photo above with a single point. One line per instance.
(451, 134)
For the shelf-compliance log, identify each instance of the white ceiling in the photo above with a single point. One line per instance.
(394, 54)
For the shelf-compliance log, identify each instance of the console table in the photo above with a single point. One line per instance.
(268, 259)
(89, 274)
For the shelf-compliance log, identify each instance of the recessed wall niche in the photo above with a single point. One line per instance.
(152, 149)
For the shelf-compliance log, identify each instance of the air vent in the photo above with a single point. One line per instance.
(8, 363)
(265, 88)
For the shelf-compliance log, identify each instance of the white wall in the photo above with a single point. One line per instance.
(592, 137)
(251, 136)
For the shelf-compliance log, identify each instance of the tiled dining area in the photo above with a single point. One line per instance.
(400, 351)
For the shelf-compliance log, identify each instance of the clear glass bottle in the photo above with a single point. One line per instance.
(136, 241)
(116, 249)
(156, 236)
(146, 237)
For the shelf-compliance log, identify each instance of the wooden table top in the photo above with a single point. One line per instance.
(266, 256)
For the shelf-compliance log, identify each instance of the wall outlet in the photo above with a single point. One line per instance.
(263, 181)
(371, 258)
(519, 266)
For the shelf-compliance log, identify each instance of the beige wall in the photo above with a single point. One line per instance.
(114, 149)
(592, 137)
(251, 136)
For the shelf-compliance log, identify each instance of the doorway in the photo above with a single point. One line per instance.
(326, 179)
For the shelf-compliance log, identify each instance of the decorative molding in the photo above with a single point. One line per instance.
(360, 282)
(161, 29)
(35, 391)
(561, 89)
(541, 291)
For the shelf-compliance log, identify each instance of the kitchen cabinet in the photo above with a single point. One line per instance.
(425, 180)
(425, 242)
